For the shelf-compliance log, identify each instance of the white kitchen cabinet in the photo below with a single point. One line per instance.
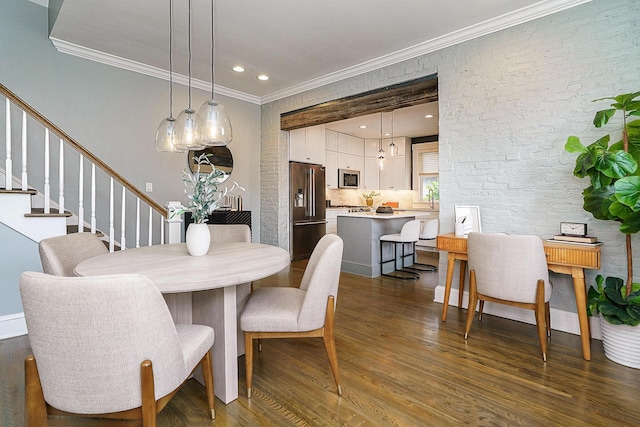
(348, 144)
(371, 179)
(332, 219)
(331, 140)
(350, 161)
(307, 145)
(371, 147)
(394, 176)
(331, 169)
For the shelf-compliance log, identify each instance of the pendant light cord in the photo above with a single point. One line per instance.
(212, 48)
(171, 59)
(189, 50)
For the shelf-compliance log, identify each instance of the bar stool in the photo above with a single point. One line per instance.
(409, 234)
(427, 242)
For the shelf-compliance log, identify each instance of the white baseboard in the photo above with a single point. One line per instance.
(561, 320)
(12, 325)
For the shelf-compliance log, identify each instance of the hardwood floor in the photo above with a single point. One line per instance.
(400, 366)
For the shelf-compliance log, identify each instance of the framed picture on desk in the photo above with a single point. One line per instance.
(470, 217)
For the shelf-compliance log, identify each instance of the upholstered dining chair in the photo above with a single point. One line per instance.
(409, 234)
(59, 255)
(230, 233)
(307, 311)
(106, 347)
(512, 270)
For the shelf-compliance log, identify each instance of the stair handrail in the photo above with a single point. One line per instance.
(82, 150)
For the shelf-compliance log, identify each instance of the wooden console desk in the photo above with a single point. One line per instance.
(561, 258)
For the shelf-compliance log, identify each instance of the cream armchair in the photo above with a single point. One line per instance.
(106, 347)
(307, 311)
(512, 270)
(59, 255)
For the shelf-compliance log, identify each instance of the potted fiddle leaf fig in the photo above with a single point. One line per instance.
(614, 194)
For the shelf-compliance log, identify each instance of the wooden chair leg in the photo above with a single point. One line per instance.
(35, 414)
(248, 360)
(473, 297)
(207, 373)
(329, 342)
(540, 318)
(480, 310)
(547, 315)
(148, 394)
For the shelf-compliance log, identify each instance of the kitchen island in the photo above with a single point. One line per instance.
(361, 233)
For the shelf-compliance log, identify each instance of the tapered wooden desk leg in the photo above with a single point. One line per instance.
(463, 271)
(579, 286)
(451, 264)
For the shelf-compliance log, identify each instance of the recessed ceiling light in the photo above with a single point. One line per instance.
(263, 77)
(387, 134)
(238, 69)
(363, 126)
(429, 116)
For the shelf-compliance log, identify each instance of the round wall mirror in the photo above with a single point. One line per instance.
(220, 157)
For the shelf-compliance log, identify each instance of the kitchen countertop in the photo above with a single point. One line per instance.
(374, 215)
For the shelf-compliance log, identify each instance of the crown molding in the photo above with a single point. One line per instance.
(148, 70)
(530, 13)
(526, 14)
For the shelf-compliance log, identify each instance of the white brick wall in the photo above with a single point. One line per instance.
(508, 101)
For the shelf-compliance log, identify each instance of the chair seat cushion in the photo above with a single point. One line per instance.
(273, 309)
(195, 341)
(396, 238)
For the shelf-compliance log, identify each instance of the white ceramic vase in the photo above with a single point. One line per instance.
(198, 239)
(621, 343)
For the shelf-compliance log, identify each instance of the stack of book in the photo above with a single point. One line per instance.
(576, 240)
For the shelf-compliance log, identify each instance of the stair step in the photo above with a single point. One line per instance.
(39, 212)
(16, 191)
(74, 229)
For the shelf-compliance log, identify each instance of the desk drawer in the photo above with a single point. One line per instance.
(574, 257)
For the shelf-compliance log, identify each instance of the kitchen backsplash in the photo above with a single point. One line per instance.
(351, 197)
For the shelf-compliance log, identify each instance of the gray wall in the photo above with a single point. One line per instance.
(508, 101)
(112, 112)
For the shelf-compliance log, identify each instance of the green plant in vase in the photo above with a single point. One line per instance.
(368, 197)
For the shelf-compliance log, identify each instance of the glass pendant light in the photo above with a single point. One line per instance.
(185, 126)
(213, 124)
(381, 150)
(393, 150)
(165, 135)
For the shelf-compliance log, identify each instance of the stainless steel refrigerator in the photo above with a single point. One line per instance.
(308, 208)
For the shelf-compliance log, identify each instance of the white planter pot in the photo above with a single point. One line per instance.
(198, 239)
(621, 343)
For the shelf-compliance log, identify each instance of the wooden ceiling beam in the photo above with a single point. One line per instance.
(389, 98)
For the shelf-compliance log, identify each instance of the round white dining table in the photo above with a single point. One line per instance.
(208, 290)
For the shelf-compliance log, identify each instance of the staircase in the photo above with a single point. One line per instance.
(53, 186)
(115, 205)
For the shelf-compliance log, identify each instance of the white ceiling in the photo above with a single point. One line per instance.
(300, 44)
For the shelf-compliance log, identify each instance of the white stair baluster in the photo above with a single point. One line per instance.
(93, 198)
(150, 226)
(111, 228)
(25, 185)
(138, 222)
(47, 185)
(8, 167)
(61, 178)
(81, 196)
(123, 218)
(161, 230)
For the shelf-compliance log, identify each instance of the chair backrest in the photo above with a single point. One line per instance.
(230, 233)
(508, 266)
(429, 229)
(59, 255)
(410, 231)
(90, 334)
(321, 279)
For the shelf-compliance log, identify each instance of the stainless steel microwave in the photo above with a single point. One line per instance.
(348, 178)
